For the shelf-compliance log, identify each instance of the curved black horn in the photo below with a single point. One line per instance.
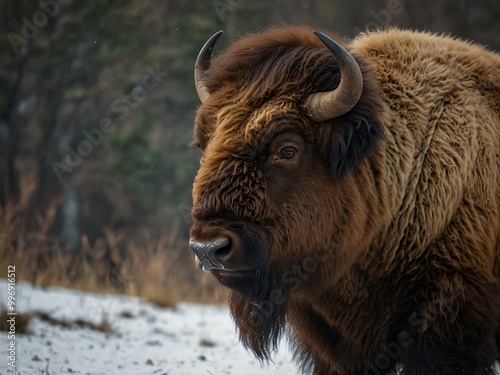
(327, 105)
(202, 64)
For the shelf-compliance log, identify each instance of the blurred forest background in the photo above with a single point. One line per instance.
(96, 109)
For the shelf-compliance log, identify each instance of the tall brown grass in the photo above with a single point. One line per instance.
(130, 261)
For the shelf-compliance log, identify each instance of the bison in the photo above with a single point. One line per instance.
(349, 193)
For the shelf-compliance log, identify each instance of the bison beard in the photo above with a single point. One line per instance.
(258, 307)
(258, 301)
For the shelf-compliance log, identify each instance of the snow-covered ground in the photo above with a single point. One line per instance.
(145, 339)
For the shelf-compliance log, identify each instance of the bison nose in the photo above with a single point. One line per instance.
(212, 254)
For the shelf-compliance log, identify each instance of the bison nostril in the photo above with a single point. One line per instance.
(211, 253)
(223, 251)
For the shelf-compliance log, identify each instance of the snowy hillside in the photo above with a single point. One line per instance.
(145, 339)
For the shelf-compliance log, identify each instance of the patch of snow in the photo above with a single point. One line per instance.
(145, 339)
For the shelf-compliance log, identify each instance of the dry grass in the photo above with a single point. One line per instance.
(103, 326)
(23, 319)
(157, 268)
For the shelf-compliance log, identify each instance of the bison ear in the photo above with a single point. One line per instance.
(354, 136)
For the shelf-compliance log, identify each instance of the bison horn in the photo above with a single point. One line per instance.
(323, 106)
(202, 64)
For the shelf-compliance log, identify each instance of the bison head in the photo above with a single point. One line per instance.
(280, 199)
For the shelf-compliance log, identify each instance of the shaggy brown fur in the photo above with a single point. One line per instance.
(379, 242)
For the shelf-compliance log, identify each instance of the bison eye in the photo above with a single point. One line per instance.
(287, 153)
